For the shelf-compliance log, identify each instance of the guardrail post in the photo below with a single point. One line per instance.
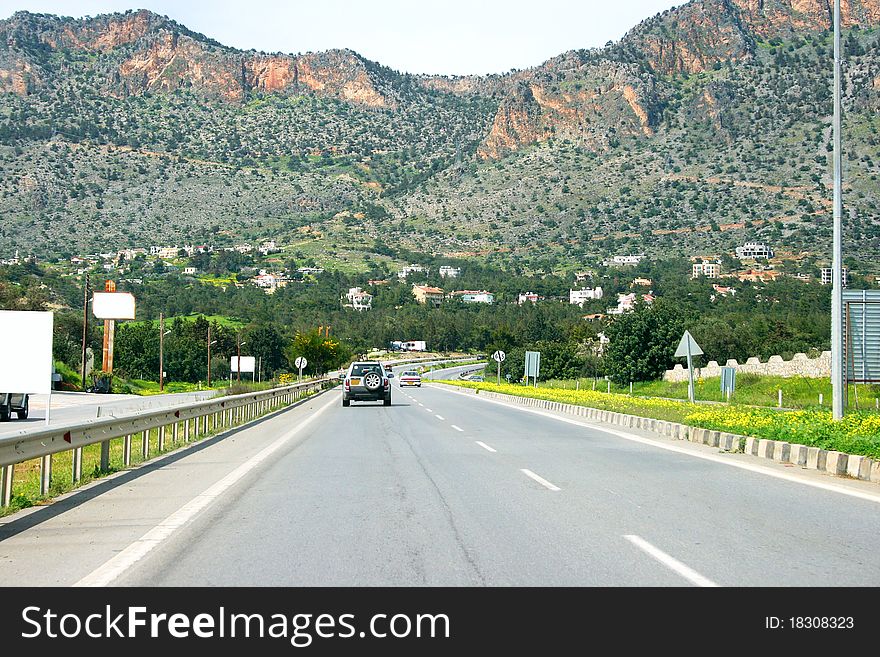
(45, 474)
(145, 445)
(105, 456)
(186, 430)
(174, 431)
(126, 451)
(6, 484)
(161, 441)
(196, 426)
(77, 464)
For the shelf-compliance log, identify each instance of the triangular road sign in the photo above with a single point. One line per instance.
(688, 339)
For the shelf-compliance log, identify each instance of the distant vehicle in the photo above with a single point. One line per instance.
(411, 378)
(475, 377)
(11, 402)
(366, 381)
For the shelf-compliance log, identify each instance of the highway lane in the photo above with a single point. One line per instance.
(448, 489)
(71, 407)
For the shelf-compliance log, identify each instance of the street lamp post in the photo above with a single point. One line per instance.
(210, 342)
(85, 334)
(238, 363)
(838, 374)
(162, 334)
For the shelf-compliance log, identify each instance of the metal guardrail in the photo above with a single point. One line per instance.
(191, 420)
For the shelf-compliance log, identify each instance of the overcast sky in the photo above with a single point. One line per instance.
(453, 37)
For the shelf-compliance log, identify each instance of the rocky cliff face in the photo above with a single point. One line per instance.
(613, 98)
(140, 51)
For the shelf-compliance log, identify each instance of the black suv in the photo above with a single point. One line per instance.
(366, 381)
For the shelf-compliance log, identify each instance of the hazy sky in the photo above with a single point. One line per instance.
(454, 37)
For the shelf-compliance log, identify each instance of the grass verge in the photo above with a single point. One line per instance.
(857, 433)
(26, 475)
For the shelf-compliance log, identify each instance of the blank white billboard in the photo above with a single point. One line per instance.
(113, 305)
(26, 351)
(248, 364)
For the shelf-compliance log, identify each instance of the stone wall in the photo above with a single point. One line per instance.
(800, 365)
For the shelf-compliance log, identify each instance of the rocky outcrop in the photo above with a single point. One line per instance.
(341, 74)
(152, 53)
(781, 18)
(517, 123)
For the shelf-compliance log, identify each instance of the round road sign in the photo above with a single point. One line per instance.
(499, 356)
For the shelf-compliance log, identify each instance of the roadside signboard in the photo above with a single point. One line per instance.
(499, 357)
(300, 363)
(113, 305)
(248, 364)
(533, 365)
(728, 381)
(861, 335)
(26, 351)
(688, 348)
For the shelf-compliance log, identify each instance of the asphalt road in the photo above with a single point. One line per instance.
(71, 407)
(444, 488)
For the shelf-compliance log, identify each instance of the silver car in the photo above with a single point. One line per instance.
(367, 381)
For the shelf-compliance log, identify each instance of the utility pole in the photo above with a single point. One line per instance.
(109, 334)
(85, 328)
(838, 372)
(238, 363)
(161, 351)
(209, 354)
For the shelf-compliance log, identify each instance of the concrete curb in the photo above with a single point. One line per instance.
(810, 458)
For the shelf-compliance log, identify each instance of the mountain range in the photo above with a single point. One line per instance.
(704, 126)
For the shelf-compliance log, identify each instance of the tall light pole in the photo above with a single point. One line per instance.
(210, 342)
(85, 328)
(162, 334)
(238, 363)
(838, 373)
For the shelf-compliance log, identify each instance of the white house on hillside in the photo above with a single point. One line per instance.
(358, 299)
(578, 297)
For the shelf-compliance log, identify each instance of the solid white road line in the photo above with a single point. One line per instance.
(487, 448)
(439, 417)
(114, 567)
(540, 480)
(457, 428)
(672, 563)
(759, 469)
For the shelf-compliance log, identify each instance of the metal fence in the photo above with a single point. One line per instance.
(187, 422)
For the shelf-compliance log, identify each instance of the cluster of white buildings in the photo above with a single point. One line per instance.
(581, 296)
(627, 302)
(269, 281)
(828, 276)
(358, 299)
(412, 269)
(754, 251)
(429, 295)
(706, 270)
(445, 271)
(624, 260)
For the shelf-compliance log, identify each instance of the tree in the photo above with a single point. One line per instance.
(642, 343)
(322, 353)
